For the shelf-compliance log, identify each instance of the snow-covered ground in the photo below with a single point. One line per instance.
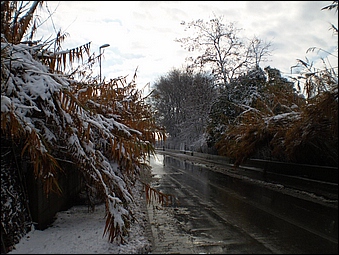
(78, 231)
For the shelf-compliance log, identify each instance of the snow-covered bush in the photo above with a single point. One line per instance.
(105, 130)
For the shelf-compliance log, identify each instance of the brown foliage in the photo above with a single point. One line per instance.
(273, 129)
(91, 125)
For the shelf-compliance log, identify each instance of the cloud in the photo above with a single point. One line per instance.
(142, 33)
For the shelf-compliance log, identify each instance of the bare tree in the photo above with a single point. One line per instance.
(182, 101)
(222, 50)
(259, 50)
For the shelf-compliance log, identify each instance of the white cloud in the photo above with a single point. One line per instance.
(142, 33)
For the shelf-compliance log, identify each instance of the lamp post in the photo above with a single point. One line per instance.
(102, 46)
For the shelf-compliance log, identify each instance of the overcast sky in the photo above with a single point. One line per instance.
(142, 33)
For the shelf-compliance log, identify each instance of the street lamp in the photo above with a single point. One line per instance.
(102, 46)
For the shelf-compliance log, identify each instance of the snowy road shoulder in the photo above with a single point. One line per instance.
(78, 231)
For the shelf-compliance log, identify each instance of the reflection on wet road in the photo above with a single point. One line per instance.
(208, 217)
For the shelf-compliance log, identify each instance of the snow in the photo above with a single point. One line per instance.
(80, 231)
(33, 95)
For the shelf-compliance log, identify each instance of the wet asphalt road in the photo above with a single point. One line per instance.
(207, 217)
